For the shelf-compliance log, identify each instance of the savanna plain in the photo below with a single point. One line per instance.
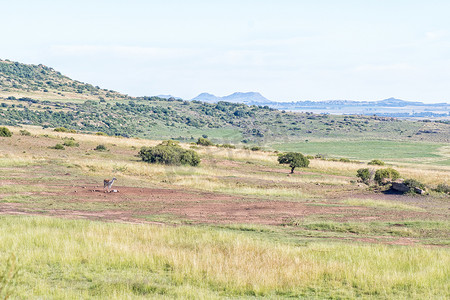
(239, 225)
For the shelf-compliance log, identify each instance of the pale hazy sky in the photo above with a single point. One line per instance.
(286, 50)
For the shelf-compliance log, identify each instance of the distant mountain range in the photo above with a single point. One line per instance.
(168, 97)
(238, 97)
(391, 107)
(19, 80)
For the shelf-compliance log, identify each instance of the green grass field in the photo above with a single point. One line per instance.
(418, 152)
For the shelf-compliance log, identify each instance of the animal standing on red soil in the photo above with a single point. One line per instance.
(108, 183)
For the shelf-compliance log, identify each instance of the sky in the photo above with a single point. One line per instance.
(286, 50)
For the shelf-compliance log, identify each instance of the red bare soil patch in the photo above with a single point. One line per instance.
(131, 204)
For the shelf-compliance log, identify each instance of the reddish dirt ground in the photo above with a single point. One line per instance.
(131, 204)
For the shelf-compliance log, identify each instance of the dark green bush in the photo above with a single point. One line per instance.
(228, 146)
(365, 174)
(169, 153)
(58, 147)
(25, 132)
(344, 160)
(64, 129)
(204, 142)
(443, 188)
(384, 175)
(412, 184)
(256, 148)
(376, 162)
(70, 143)
(101, 147)
(4, 132)
(294, 160)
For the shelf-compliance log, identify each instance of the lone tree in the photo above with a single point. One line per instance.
(294, 160)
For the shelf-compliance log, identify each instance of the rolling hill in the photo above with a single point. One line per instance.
(39, 95)
(41, 82)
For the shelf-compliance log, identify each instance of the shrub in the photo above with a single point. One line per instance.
(70, 143)
(294, 160)
(169, 153)
(310, 157)
(101, 147)
(365, 174)
(25, 132)
(384, 175)
(4, 132)
(443, 188)
(101, 133)
(344, 160)
(64, 129)
(255, 148)
(227, 146)
(58, 147)
(376, 162)
(204, 142)
(413, 184)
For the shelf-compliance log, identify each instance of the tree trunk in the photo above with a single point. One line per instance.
(292, 170)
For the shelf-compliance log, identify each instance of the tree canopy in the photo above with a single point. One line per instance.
(294, 160)
(169, 153)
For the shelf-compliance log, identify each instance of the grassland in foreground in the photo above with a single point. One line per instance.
(237, 226)
(85, 259)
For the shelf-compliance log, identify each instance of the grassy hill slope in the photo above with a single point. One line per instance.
(39, 95)
(41, 82)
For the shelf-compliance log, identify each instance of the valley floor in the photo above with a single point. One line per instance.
(237, 226)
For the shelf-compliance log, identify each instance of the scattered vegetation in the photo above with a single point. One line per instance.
(58, 147)
(63, 129)
(25, 133)
(169, 153)
(383, 176)
(70, 143)
(229, 146)
(294, 160)
(414, 184)
(366, 175)
(376, 162)
(204, 142)
(101, 147)
(443, 188)
(5, 132)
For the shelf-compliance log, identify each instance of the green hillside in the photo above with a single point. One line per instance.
(47, 98)
(41, 82)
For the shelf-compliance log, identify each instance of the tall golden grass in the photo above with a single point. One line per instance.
(67, 259)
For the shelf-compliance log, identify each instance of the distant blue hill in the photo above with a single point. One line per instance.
(167, 96)
(238, 97)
